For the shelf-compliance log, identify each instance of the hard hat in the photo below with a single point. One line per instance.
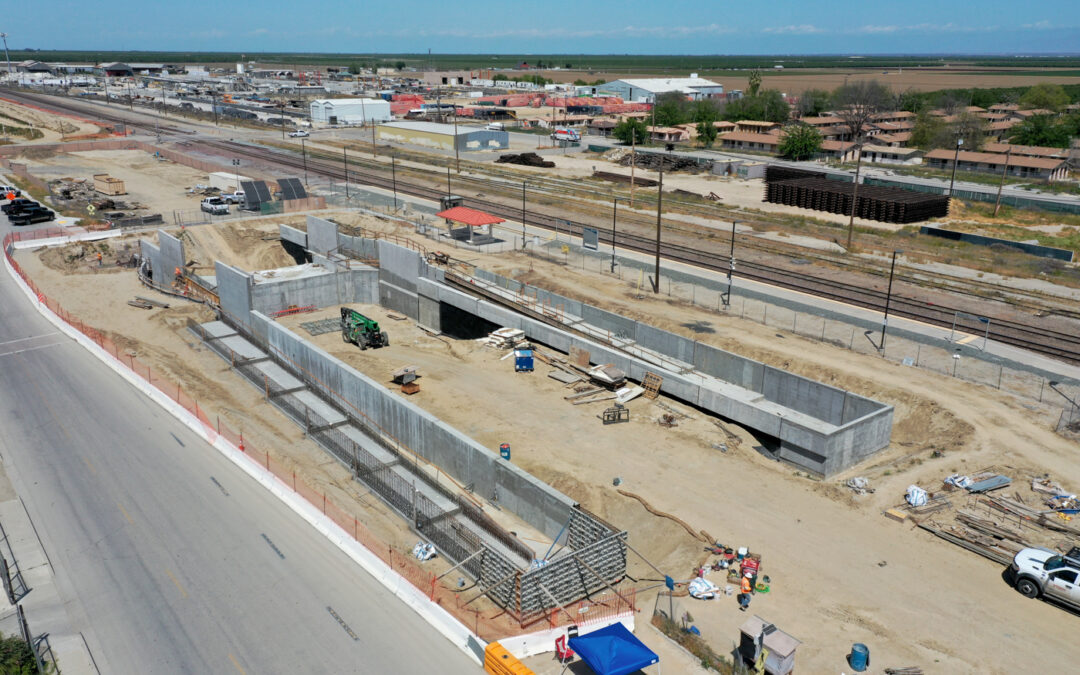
(748, 574)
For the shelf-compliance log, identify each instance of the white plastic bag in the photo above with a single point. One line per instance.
(916, 496)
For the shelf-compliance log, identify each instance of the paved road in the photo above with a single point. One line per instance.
(160, 545)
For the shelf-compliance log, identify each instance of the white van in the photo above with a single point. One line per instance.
(495, 126)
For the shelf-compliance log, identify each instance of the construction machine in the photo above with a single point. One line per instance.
(361, 331)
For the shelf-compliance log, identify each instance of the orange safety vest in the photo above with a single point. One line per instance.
(746, 588)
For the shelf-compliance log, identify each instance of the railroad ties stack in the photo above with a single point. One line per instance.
(812, 190)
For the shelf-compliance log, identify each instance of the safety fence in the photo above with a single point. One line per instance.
(488, 624)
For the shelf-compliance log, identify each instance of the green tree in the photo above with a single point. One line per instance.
(1044, 95)
(400, 65)
(671, 108)
(927, 131)
(355, 68)
(801, 141)
(813, 102)
(969, 127)
(1043, 130)
(768, 106)
(630, 129)
(753, 83)
(580, 83)
(707, 133)
(858, 102)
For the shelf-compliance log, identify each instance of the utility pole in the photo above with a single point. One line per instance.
(659, 205)
(303, 151)
(854, 195)
(345, 161)
(614, 213)
(393, 178)
(163, 99)
(1004, 170)
(281, 112)
(457, 152)
(213, 106)
(955, 161)
(731, 265)
(888, 297)
(633, 162)
(6, 55)
(523, 234)
(236, 170)
(448, 192)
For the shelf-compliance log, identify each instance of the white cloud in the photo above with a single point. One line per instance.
(801, 29)
(1038, 25)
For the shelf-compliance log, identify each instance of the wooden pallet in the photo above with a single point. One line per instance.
(651, 383)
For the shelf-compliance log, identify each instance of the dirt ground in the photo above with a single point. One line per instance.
(841, 573)
(53, 127)
(796, 81)
(159, 186)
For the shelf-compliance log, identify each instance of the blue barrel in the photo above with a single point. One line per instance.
(859, 658)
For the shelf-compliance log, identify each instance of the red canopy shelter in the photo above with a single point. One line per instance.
(469, 217)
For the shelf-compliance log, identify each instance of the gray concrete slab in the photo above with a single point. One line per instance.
(217, 329)
(277, 375)
(241, 347)
(320, 407)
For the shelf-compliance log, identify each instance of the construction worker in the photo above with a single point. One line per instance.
(750, 567)
(99, 259)
(745, 589)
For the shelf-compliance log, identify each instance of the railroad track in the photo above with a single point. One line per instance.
(1058, 344)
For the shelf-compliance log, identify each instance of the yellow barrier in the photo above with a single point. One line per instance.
(498, 661)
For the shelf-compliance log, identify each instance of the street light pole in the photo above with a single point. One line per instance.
(614, 214)
(524, 235)
(956, 157)
(888, 298)
(303, 151)
(236, 171)
(731, 264)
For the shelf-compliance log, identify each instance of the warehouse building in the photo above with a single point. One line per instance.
(443, 136)
(349, 111)
(647, 89)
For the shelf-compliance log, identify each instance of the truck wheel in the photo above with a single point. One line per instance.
(385, 340)
(1028, 588)
(344, 337)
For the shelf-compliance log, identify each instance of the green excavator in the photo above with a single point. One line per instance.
(361, 331)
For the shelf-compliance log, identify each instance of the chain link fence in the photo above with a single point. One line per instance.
(962, 358)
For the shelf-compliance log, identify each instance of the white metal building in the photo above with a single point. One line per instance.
(645, 90)
(349, 110)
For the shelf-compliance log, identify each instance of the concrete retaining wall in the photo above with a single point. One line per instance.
(504, 483)
(152, 253)
(172, 256)
(234, 290)
(336, 287)
(292, 234)
(321, 235)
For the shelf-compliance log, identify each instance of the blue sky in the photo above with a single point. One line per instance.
(554, 26)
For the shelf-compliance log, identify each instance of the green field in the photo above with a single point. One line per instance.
(595, 62)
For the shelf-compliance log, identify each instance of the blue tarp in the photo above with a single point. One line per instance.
(613, 650)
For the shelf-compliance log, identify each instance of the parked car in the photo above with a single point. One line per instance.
(1041, 572)
(32, 214)
(214, 206)
(299, 133)
(16, 205)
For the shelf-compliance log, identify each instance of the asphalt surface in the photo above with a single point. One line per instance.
(167, 557)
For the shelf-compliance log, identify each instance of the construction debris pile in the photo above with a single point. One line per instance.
(525, 159)
(978, 513)
(80, 192)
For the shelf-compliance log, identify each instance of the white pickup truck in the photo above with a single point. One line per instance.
(1042, 572)
(215, 206)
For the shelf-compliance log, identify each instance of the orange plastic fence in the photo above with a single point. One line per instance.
(488, 625)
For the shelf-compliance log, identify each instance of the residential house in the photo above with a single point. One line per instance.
(602, 127)
(1025, 150)
(885, 154)
(1039, 168)
(757, 126)
(668, 134)
(838, 150)
(755, 142)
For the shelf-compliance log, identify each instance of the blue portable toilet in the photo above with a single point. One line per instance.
(504, 451)
(523, 360)
(859, 658)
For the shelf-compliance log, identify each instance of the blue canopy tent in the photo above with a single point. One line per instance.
(613, 650)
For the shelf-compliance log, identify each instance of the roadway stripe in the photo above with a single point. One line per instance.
(236, 664)
(183, 593)
(967, 339)
(30, 349)
(33, 337)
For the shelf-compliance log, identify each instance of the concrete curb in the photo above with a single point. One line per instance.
(439, 619)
